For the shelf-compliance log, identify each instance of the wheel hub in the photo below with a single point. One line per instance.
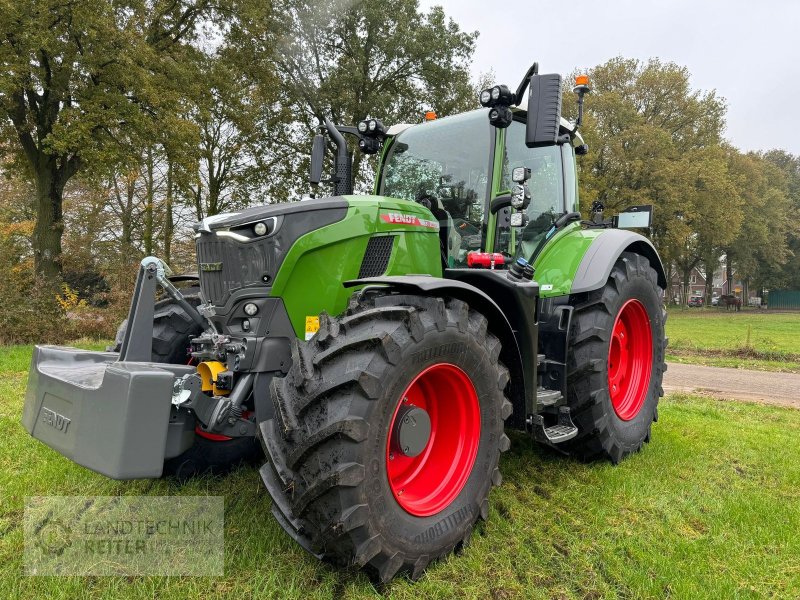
(412, 430)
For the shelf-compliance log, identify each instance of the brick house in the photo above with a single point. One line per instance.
(697, 284)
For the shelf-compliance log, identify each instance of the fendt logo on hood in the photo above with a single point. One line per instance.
(396, 218)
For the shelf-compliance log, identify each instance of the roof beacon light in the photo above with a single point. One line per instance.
(430, 115)
(581, 89)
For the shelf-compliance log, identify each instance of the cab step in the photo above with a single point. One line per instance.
(561, 432)
(547, 397)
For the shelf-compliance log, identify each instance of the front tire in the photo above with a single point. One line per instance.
(352, 485)
(616, 362)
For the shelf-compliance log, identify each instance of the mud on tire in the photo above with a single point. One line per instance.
(601, 431)
(327, 443)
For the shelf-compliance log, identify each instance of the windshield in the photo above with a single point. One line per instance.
(546, 187)
(444, 165)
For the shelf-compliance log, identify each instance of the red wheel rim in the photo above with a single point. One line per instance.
(427, 483)
(630, 360)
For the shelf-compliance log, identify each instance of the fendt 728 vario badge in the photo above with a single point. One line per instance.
(376, 348)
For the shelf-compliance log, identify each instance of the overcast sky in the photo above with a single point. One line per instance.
(748, 51)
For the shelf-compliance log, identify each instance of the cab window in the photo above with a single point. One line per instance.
(546, 186)
(444, 166)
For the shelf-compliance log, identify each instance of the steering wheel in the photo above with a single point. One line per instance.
(427, 200)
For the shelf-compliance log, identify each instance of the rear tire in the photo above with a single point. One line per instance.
(173, 329)
(332, 470)
(616, 362)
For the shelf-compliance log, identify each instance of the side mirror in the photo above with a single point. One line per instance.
(544, 110)
(635, 217)
(317, 158)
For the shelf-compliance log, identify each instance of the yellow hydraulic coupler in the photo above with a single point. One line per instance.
(208, 372)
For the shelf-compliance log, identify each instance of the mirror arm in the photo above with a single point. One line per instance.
(566, 218)
(500, 203)
(348, 129)
(533, 70)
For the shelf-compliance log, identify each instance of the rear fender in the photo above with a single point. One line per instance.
(605, 250)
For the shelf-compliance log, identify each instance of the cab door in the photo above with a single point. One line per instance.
(552, 190)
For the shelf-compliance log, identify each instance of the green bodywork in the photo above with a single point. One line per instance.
(310, 278)
(560, 258)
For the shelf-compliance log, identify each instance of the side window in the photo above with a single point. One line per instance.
(546, 182)
(570, 177)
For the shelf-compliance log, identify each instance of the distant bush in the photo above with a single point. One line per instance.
(29, 310)
(33, 310)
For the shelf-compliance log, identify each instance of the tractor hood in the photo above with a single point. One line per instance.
(246, 249)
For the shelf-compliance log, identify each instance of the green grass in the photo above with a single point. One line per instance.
(709, 509)
(745, 340)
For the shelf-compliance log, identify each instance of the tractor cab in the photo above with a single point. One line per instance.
(458, 166)
(500, 180)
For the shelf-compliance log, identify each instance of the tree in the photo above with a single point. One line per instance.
(786, 275)
(79, 82)
(239, 144)
(711, 209)
(347, 61)
(654, 140)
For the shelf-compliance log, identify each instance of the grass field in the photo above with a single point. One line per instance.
(709, 509)
(747, 339)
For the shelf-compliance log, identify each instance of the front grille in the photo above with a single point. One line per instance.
(225, 265)
(376, 257)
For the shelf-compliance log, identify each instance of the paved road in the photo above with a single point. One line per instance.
(782, 389)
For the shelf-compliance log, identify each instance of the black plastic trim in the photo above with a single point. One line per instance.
(595, 268)
(256, 213)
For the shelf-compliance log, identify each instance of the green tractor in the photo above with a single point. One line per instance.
(377, 347)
